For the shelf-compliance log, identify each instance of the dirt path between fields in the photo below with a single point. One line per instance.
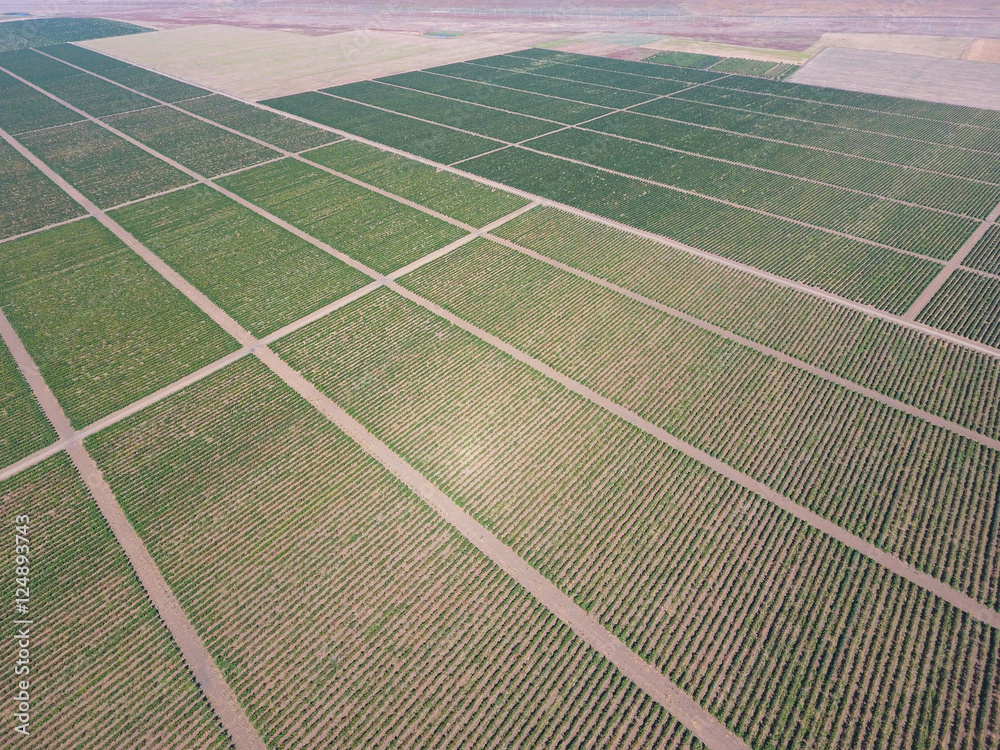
(193, 651)
(925, 296)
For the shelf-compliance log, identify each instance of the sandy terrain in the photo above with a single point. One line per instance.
(976, 84)
(985, 50)
(257, 64)
(952, 48)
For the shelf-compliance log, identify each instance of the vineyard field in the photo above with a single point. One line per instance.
(545, 107)
(985, 256)
(743, 67)
(776, 628)
(861, 272)
(953, 113)
(102, 166)
(944, 134)
(942, 378)
(651, 87)
(277, 130)
(201, 147)
(758, 415)
(888, 180)
(102, 326)
(629, 67)
(684, 59)
(23, 109)
(36, 202)
(405, 634)
(603, 96)
(39, 32)
(479, 120)
(262, 275)
(23, 427)
(85, 58)
(34, 67)
(378, 231)
(94, 96)
(110, 674)
(459, 197)
(935, 157)
(968, 304)
(906, 227)
(424, 139)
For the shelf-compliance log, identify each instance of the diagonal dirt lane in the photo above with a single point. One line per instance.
(193, 651)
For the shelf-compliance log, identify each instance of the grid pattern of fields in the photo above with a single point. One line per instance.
(648, 388)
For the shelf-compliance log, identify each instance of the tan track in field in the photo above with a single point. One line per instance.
(255, 64)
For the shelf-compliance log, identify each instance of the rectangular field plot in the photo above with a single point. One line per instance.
(649, 86)
(28, 199)
(546, 107)
(22, 108)
(906, 227)
(261, 274)
(942, 133)
(428, 140)
(378, 231)
(405, 634)
(95, 97)
(684, 59)
(985, 256)
(945, 379)
(773, 627)
(459, 197)
(631, 67)
(889, 180)
(34, 67)
(747, 409)
(23, 427)
(107, 169)
(38, 32)
(853, 269)
(947, 159)
(204, 148)
(272, 128)
(491, 123)
(85, 58)
(968, 304)
(103, 327)
(604, 96)
(954, 113)
(104, 670)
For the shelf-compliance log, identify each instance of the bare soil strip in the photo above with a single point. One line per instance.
(780, 356)
(890, 562)
(681, 706)
(193, 651)
(925, 296)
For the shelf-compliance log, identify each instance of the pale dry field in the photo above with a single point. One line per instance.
(670, 43)
(985, 50)
(968, 82)
(952, 48)
(256, 64)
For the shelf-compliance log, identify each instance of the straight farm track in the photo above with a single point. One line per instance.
(769, 520)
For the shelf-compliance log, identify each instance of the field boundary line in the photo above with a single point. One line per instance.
(203, 669)
(677, 703)
(887, 560)
(898, 165)
(836, 299)
(951, 266)
(46, 228)
(781, 174)
(660, 239)
(151, 196)
(841, 105)
(846, 127)
(704, 325)
(609, 70)
(47, 127)
(715, 199)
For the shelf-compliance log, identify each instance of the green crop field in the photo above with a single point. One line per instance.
(262, 275)
(102, 326)
(102, 166)
(378, 231)
(458, 197)
(39, 32)
(103, 665)
(697, 448)
(23, 427)
(368, 631)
